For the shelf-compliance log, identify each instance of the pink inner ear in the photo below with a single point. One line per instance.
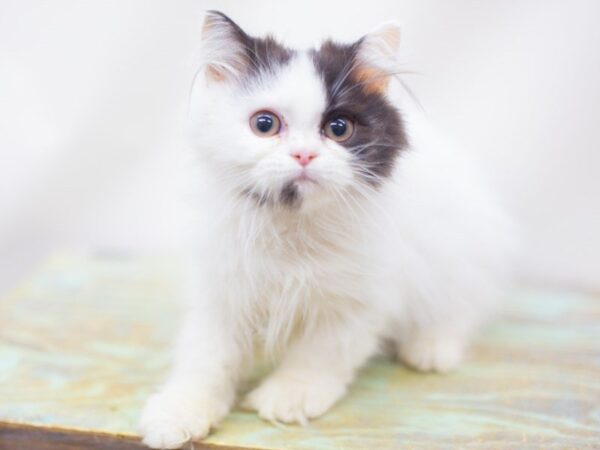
(372, 79)
(214, 74)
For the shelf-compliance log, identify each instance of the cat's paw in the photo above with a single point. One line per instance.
(432, 352)
(293, 398)
(169, 420)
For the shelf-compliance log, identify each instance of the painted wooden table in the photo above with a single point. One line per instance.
(84, 341)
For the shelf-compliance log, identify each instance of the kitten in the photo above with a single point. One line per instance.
(332, 222)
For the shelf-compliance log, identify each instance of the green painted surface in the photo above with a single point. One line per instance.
(84, 342)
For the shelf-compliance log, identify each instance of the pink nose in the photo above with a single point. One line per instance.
(304, 157)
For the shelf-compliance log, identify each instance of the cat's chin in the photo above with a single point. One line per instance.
(312, 196)
(307, 187)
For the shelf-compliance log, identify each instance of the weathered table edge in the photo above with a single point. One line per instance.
(15, 436)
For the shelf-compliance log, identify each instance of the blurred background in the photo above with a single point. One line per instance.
(93, 97)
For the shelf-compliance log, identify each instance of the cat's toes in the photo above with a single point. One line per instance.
(432, 353)
(289, 398)
(169, 421)
(166, 435)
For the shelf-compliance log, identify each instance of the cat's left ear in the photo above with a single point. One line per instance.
(224, 47)
(378, 57)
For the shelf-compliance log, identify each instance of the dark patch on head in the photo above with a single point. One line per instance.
(289, 195)
(263, 55)
(379, 133)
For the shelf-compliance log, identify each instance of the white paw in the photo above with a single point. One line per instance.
(292, 398)
(169, 420)
(432, 352)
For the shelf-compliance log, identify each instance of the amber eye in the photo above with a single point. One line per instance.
(265, 124)
(339, 129)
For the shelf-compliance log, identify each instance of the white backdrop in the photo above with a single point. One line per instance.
(92, 95)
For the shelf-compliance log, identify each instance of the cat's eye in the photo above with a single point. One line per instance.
(339, 129)
(265, 124)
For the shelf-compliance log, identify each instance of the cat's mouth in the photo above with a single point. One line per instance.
(304, 177)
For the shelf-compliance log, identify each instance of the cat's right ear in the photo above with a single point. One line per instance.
(224, 48)
(378, 57)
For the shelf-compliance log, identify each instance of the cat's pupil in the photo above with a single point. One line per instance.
(338, 127)
(264, 123)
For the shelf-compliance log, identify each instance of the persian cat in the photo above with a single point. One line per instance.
(334, 219)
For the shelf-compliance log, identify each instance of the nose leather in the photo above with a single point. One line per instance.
(304, 157)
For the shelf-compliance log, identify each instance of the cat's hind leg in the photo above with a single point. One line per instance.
(433, 348)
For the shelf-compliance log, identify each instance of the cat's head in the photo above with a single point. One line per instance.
(296, 129)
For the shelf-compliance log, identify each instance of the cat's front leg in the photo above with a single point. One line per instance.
(201, 387)
(315, 372)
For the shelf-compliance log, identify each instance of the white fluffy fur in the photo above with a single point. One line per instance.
(418, 261)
